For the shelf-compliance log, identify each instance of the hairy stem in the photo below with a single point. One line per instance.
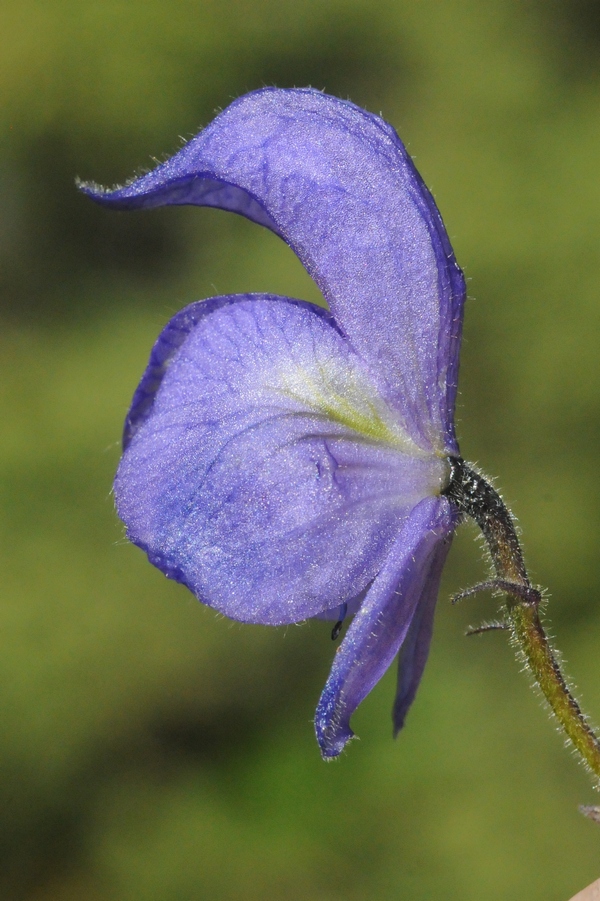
(531, 639)
(472, 495)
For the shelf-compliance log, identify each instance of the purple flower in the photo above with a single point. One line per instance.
(284, 461)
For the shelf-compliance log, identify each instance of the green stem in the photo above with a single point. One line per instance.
(473, 495)
(533, 643)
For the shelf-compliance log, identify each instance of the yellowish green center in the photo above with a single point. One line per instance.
(346, 398)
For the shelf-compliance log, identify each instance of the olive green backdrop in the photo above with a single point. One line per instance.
(150, 749)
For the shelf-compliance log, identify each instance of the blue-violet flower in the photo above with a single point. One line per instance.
(285, 461)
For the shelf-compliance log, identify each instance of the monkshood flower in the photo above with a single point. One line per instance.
(285, 461)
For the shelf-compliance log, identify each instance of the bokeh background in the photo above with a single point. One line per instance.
(150, 749)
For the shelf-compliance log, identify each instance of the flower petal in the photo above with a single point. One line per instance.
(380, 626)
(337, 184)
(415, 649)
(262, 469)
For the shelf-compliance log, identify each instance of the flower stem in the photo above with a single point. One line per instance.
(530, 637)
(473, 495)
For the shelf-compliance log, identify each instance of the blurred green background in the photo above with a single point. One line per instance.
(150, 749)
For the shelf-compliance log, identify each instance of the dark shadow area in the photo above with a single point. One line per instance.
(63, 241)
(349, 57)
(574, 30)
